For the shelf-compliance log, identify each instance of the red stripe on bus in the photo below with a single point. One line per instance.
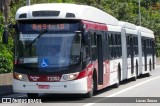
(95, 26)
(85, 72)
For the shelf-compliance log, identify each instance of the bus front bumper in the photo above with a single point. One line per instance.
(69, 87)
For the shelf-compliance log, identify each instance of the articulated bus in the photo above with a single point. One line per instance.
(138, 50)
(129, 50)
(147, 57)
(76, 49)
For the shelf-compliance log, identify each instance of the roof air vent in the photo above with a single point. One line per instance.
(24, 15)
(70, 15)
(45, 13)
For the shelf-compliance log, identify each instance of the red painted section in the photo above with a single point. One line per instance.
(44, 78)
(100, 27)
(106, 75)
(87, 72)
(89, 76)
(95, 26)
(82, 74)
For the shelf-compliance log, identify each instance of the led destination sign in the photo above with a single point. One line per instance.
(49, 26)
(45, 26)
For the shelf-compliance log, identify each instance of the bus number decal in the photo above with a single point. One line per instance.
(55, 78)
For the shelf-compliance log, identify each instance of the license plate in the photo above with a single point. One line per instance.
(43, 86)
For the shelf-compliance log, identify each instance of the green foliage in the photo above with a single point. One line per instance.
(6, 54)
(1, 23)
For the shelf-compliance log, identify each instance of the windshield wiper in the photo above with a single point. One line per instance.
(42, 32)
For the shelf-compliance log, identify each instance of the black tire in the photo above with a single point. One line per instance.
(32, 95)
(94, 82)
(150, 69)
(135, 77)
(90, 94)
(118, 77)
(94, 86)
(148, 75)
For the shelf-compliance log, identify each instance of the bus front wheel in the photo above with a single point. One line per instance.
(94, 86)
(90, 94)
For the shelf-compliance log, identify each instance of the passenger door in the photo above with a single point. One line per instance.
(100, 59)
(145, 54)
(132, 54)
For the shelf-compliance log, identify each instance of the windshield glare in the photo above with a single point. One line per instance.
(51, 50)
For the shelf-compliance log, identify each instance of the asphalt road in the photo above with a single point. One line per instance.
(145, 91)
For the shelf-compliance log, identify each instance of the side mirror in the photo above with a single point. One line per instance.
(78, 34)
(5, 36)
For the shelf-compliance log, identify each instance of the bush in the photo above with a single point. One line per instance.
(6, 54)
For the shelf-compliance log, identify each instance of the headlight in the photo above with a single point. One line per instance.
(21, 77)
(67, 77)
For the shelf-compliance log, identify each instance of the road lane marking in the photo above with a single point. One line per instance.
(124, 90)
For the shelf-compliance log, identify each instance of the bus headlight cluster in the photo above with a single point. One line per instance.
(67, 77)
(21, 77)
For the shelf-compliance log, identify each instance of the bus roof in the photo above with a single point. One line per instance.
(127, 25)
(65, 11)
(145, 31)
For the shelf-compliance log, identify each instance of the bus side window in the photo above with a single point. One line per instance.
(86, 49)
(113, 45)
(143, 43)
(93, 46)
(110, 45)
(107, 46)
(128, 46)
(116, 47)
(119, 53)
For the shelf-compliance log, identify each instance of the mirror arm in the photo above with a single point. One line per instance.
(11, 26)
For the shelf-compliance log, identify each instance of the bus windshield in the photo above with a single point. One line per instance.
(54, 48)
